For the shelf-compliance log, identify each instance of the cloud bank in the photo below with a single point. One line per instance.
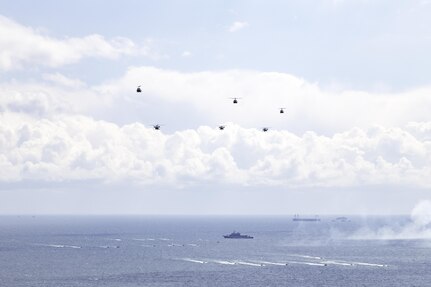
(23, 46)
(203, 97)
(62, 130)
(79, 148)
(183, 100)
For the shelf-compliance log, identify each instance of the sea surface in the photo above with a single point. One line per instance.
(56, 251)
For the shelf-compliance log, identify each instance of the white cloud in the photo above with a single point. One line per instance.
(77, 148)
(203, 98)
(186, 54)
(237, 26)
(60, 79)
(48, 134)
(70, 96)
(21, 45)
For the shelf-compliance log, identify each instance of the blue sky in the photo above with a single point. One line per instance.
(353, 76)
(357, 44)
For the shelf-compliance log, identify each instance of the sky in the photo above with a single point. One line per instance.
(76, 137)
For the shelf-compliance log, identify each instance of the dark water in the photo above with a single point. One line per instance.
(187, 251)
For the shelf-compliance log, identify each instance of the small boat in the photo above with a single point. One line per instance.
(237, 235)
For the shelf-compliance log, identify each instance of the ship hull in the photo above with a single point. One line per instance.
(242, 237)
(306, 219)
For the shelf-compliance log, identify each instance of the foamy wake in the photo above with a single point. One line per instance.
(223, 262)
(261, 263)
(306, 256)
(337, 263)
(194, 260)
(147, 245)
(318, 261)
(272, 263)
(182, 245)
(306, 263)
(108, 246)
(369, 264)
(249, 263)
(59, 246)
(175, 245)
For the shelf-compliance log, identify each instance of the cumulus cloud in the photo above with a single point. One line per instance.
(60, 79)
(203, 97)
(65, 132)
(59, 95)
(237, 26)
(35, 103)
(78, 148)
(21, 45)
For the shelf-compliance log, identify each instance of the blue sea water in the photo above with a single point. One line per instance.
(191, 251)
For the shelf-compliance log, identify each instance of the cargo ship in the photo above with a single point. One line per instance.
(296, 217)
(237, 235)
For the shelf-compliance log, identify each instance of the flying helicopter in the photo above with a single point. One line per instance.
(221, 127)
(265, 129)
(282, 110)
(138, 90)
(157, 126)
(235, 100)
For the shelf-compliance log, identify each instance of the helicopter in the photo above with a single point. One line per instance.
(265, 129)
(221, 127)
(138, 90)
(235, 100)
(157, 126)
(282, 110)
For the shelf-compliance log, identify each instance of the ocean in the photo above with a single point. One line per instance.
(126, 251)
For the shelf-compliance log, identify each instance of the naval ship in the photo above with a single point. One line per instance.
(237, 235)
(296, 217)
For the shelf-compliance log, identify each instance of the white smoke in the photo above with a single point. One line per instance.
(418, 227)
(421, 215)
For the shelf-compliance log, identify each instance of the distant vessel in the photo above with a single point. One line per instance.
(237, 235)
(297, 218)
(341, 219)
